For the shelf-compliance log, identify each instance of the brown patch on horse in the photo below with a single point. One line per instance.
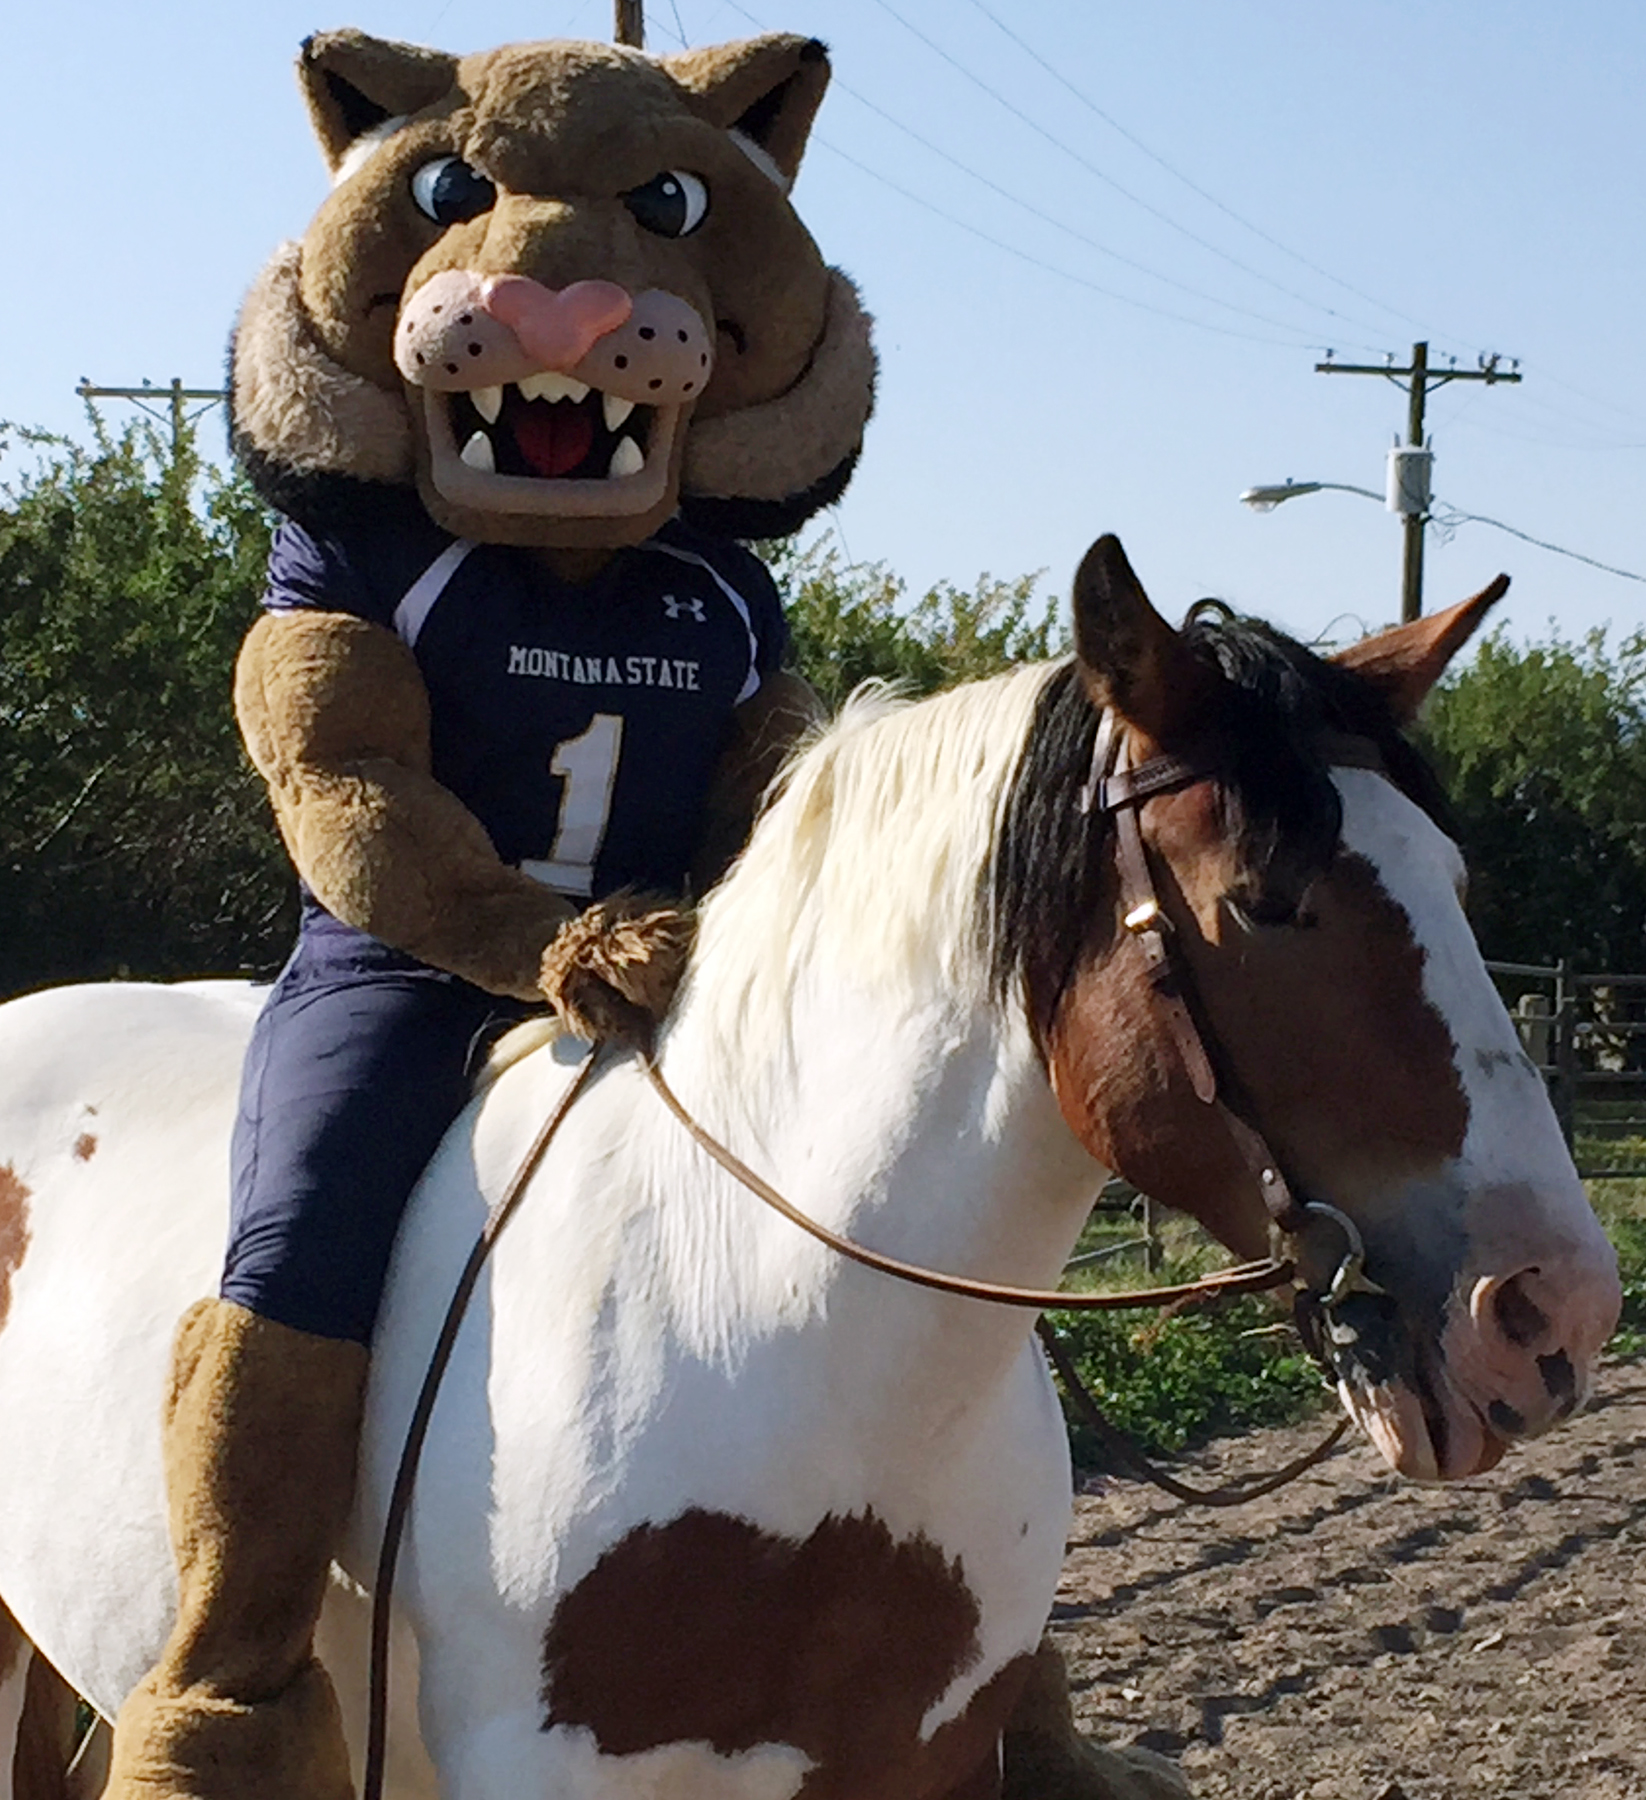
(710, 1630)
(1377, 1096)
(48, 1726)
(12, 1643)
(47, 1736)
(85, 1147)
(14, 1231)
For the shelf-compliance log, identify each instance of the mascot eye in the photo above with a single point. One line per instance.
(671, 204)
(449, 191)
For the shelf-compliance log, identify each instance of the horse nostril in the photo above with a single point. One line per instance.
(1521, 1320)
(1506, 1418)
(1559, 1377)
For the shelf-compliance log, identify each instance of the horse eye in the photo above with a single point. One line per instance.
(672, 204)
(1272, 912)
(450, 191)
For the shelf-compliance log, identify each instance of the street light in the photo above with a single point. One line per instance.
(1266, 499)
(1407, 495)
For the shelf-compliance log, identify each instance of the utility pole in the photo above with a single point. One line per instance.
(1410, 463)
(176, 394)
(631, 23)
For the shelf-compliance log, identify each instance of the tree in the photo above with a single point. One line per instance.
(850, 624)
(1543, 750)
(134, 838)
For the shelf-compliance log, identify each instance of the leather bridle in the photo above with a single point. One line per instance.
(1118, 789)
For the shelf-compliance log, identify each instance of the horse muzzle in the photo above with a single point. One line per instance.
(1512, 1358)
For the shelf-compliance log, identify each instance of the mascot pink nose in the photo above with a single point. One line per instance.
(556, 329)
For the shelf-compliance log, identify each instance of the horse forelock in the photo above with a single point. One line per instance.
(869, 860)
(1278, 702)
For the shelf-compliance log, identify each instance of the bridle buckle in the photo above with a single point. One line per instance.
(1351, 1276)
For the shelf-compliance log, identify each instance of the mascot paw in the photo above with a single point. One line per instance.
(612, 971)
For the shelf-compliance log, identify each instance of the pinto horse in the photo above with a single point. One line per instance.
(705, 1509)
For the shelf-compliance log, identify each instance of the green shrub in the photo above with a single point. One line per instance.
(1175, 1383)
(1621, 1213)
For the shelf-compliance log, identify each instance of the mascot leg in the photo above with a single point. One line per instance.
(1047, 1758)
(261, 1434)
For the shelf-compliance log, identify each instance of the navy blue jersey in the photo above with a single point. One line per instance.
(580, 724)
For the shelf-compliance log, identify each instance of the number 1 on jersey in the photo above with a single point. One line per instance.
(587, 765)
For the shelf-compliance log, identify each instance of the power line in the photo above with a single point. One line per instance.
(1177, 174)
(1109, 181)
(1300, 334)
(1068, 230)
(1095, 287)
(1450, 517)
(1545, 441)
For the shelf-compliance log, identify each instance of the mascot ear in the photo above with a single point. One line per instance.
(766, 89)
(354, 84)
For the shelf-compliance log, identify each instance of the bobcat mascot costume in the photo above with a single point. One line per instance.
(554, 345)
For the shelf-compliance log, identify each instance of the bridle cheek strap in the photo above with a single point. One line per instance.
(1118, 789)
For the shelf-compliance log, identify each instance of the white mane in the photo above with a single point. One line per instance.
(869, 862)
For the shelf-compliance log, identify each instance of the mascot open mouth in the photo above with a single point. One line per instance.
(549, 444)
(551, 426)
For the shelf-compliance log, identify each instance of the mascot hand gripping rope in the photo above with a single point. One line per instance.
(554, 345)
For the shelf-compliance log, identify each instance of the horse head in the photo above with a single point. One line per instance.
(1312, 899)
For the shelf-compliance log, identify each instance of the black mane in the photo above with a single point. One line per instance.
(1278, 702)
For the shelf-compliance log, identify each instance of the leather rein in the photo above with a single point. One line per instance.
(1118, 789)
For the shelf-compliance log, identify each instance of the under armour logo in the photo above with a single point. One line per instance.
(675, 608)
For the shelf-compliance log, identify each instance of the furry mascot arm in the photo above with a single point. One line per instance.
(336, 718)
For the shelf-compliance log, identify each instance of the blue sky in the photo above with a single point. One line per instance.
(1106, 245)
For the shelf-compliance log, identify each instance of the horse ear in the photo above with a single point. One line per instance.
(1128, 656)
(1406, 662)
(766, 89)
(355, 83)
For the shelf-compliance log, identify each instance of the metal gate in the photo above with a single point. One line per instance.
(1587, 1034)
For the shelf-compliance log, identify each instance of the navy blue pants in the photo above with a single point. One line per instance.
(360, 1060)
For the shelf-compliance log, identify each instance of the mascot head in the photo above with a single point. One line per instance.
(561, 288)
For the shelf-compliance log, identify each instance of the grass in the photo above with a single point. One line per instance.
(1173, 1383)
(1622, 1209)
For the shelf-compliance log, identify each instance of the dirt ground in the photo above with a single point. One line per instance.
(1354, 1637)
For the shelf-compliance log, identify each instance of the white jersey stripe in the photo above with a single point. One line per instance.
(418, 601)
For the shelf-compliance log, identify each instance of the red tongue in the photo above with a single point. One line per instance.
(555, 438)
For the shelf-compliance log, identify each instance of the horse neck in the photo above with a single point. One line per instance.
(922, 1126)
(839, 1030)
